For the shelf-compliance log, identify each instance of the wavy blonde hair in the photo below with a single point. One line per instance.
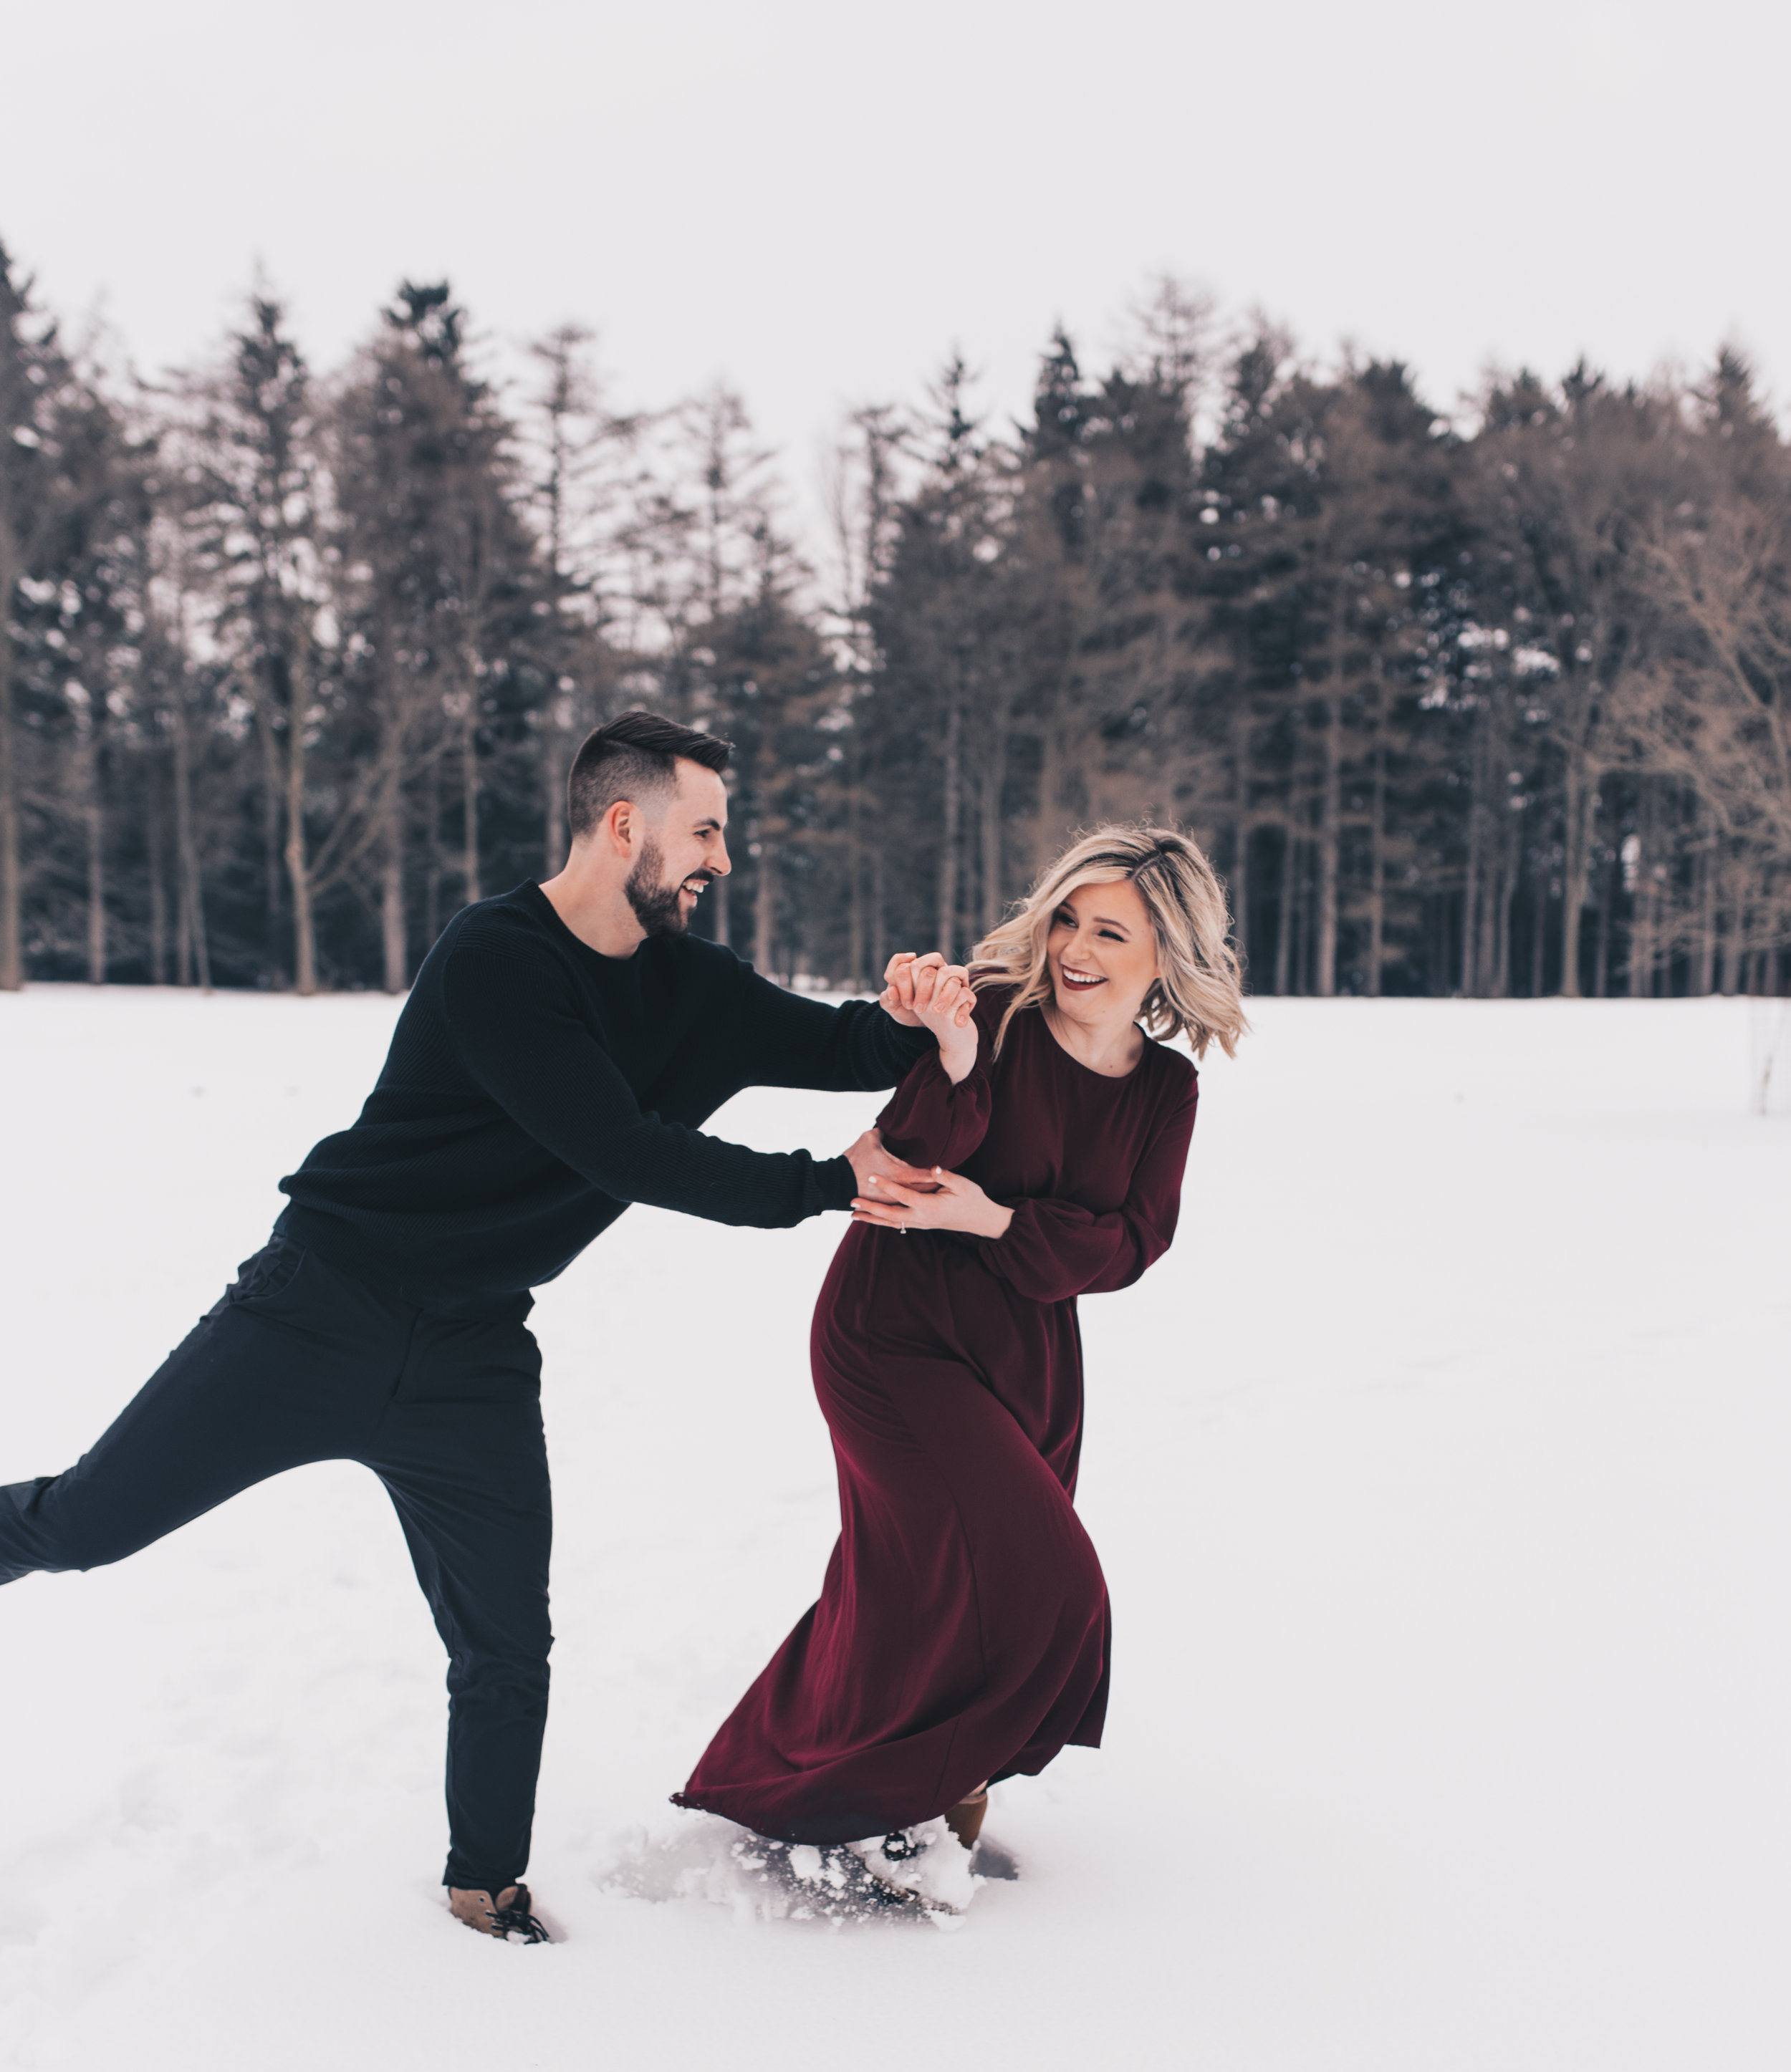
(1199, 988)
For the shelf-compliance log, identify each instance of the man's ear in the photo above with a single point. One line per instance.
(620, 823)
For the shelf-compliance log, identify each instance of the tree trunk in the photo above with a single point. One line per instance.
(12, 970)
(93, 756)
(392, 886)
(1703, 971)
(469, 792)
(554, 774)
(1330, 837)
(1609, 885)
(273, 794)
(854, 854)
(192, 954)
(1729, 917)
(1579, 794)
(1473, 885)
(1640, 915)
(304, 936)
(154, 839)
(764, 913)
(951, 777)
(994, 785)
(1284, 919)
(432, 851)
(1240, 784)
(1377, 856)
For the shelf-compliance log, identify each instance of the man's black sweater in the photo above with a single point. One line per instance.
(534, 1088)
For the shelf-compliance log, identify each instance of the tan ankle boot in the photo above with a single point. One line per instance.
(508, 1915)
(965, 1819)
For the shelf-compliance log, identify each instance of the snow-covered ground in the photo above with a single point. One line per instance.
(1440, 1473)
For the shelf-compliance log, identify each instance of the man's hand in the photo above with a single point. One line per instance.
(870, 1161)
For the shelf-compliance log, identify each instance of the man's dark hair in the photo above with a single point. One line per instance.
(634, 757)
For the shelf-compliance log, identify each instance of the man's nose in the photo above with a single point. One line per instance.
(718, 862)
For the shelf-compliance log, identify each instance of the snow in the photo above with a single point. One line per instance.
(1438, 1474)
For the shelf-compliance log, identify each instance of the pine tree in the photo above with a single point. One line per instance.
(440, 580)
(33, 374)
(254, 522)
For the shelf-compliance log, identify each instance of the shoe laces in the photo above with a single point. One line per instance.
(516, 1919)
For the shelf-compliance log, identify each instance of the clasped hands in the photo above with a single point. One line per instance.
(925, 991)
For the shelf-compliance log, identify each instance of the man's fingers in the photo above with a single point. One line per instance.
(887, 1168)
(886, 1183)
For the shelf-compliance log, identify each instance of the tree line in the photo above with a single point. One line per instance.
(293, 664)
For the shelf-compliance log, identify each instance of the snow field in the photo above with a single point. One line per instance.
(1438, 1475)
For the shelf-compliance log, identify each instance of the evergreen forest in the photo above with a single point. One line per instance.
(295, 661)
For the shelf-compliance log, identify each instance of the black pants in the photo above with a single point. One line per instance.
(300, 1363)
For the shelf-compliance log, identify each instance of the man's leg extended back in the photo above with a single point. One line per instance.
(294, 1364)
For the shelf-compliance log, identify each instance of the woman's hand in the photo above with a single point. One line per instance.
(928, 993)
(897, 997)
(908, 987)
(955, 1204)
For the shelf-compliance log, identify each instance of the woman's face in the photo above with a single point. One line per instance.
(1101, 953)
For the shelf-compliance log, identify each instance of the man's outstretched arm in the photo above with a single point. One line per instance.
(519, 1033)
(863, 1046)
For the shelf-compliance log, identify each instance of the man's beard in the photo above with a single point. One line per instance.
(655, 904)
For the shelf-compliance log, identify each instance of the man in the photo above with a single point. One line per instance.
(559, 1050)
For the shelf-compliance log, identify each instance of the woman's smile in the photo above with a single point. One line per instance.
(1102, 953)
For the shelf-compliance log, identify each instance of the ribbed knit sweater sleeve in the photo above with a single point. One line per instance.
(785, 1040)
(514, 1020)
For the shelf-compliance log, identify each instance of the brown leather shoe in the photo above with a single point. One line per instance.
(505, 1916)
(965, 1819)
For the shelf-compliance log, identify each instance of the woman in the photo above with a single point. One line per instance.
(962, 1636)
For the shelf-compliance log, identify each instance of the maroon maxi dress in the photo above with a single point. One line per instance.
(962, 1631)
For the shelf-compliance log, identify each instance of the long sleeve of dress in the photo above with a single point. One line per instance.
(932, 1122)
(1054, 1249)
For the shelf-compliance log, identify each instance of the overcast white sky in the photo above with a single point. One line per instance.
(817, 199)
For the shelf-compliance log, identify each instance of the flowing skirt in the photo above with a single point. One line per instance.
(962, 1631)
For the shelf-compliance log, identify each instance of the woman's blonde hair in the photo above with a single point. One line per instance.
(1198, 988)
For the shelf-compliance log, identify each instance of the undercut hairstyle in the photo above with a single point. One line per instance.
(635, 757)
(1198, 992)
